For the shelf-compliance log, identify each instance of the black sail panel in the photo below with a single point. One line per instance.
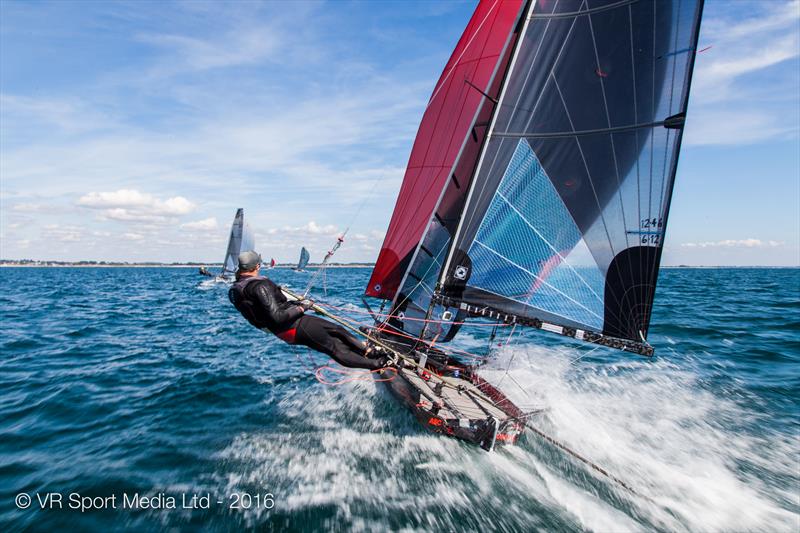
(565, 218)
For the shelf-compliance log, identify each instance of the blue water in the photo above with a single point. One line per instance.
(141, 381)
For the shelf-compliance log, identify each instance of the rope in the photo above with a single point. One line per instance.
(584, 355)
(449, 350)
(563, 447)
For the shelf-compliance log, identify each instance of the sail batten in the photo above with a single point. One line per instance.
(561, 134)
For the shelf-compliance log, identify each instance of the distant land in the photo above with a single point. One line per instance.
(212, 266)
(195, 264)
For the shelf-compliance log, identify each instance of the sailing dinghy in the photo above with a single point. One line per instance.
(241, 239)
(304, 257)
(536, 194)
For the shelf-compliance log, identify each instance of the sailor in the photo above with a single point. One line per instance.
(264, 305)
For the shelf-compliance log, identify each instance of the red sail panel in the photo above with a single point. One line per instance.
(445, 124)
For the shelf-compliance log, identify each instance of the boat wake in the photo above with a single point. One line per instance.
(687, 452)
(350, 456)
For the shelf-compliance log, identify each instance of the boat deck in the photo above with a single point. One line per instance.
(464, 402)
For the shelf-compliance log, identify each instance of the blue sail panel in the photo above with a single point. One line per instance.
(522, 247)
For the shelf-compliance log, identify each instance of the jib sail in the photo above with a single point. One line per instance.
(562, 225)
(241, 239)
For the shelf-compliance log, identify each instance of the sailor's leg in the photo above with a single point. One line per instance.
(333, 340)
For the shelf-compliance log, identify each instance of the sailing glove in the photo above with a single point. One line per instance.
(305, 304)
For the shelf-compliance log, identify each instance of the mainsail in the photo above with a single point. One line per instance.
(554, 212)
(304, 257)
(241, 239)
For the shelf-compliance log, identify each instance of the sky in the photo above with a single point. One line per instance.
(131, 131)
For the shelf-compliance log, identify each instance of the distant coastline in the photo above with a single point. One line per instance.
(213, 266)
(151, 264)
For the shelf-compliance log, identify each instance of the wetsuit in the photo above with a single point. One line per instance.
(265, 306)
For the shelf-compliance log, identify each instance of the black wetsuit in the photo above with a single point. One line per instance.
(263, 304)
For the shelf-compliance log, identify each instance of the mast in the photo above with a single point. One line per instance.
(501, 102)
(497, 103)
(520, 32)
(454, 115)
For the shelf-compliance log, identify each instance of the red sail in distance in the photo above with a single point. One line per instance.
(446, 123)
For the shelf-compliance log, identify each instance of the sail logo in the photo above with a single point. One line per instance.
(460, 272)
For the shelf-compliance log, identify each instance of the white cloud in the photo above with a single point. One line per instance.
(747, 44)
(739, 94)
(135, 200)
(63, 233)
(133, 236)
(205, 224)
(373, 235)
(58, 115)
(312, 228)
(733, 243)
(711, 126)
(29, 208)
(129, 205)
(231, 49)
(725, 70)
(774, 16)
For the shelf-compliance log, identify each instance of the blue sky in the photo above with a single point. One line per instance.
(133, 130)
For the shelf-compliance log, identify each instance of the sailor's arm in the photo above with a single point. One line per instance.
(280, 312)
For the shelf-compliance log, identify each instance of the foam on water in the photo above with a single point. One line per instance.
(652, 424)
(647, 422)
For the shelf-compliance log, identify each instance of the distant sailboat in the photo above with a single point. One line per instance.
(304, 257)
(241, 239)
(272, 263)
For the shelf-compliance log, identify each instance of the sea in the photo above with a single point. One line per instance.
(138, 399)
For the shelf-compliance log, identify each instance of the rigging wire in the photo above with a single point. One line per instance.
(322, 268)
(340, 239)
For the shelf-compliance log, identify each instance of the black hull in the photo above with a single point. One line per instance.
(449, 398)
